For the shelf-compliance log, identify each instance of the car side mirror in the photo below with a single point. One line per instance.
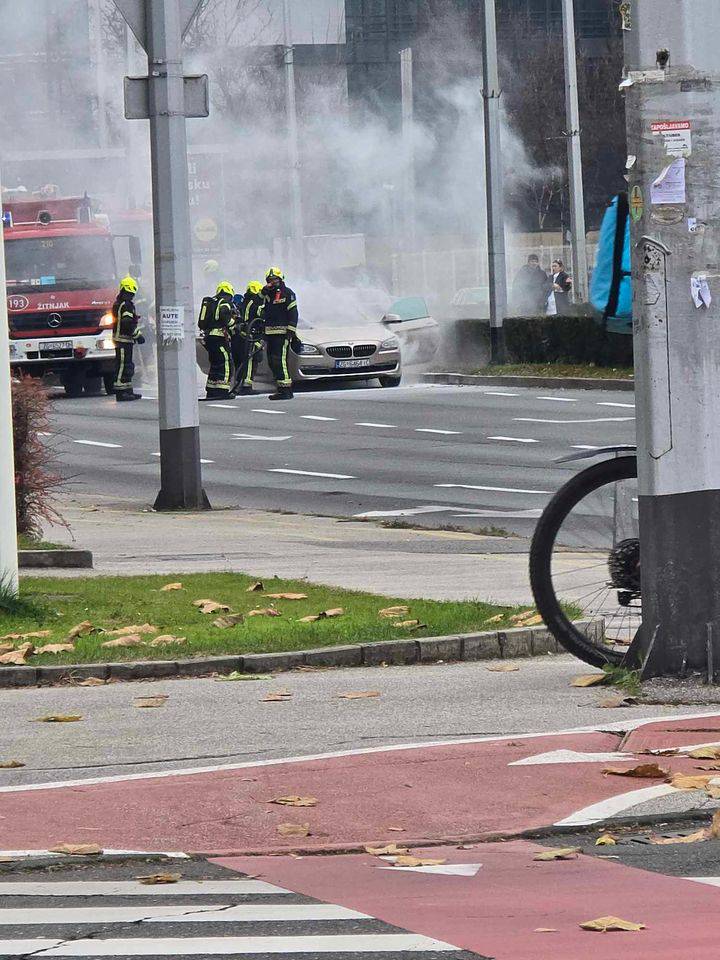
(392, 318)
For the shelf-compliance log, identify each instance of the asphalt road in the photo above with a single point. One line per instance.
(466, 457)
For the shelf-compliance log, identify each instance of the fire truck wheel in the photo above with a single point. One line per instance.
(73, 381)
(93, 386)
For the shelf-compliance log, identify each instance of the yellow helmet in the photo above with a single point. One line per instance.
(275, 272)
(225, 287)
(129, 285)
(211, 266)
(254, 287)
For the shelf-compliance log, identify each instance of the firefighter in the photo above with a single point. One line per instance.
(280, 314)
(250, 335)
(126, 333)
(215, 322)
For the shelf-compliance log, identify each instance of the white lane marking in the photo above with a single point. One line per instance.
(276, 412)
(45, 854)
(598, 420)
(308, 416)
(390, 943)
(252, 436)
(622, 726)
(607, 403)
(571, 756)
(445, 432)
(200, 913)
(585, 446)
(157, 454)
(313, 473)
(711, 881)
(143, 397)
(559, 399)
(224, 406)
(470, 486)
(43, 433)
(514, 439)
(379, 426)
(446, 869)
(509, 514)
(131, 888)
(97, 443)
(496, 393)
(614, 806)
(408, 512)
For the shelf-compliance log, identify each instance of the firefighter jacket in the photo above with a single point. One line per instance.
(222, 320)
(252, 315)
(280, 311)
(127, 321)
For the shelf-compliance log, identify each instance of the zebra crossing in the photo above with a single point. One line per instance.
(214, 913)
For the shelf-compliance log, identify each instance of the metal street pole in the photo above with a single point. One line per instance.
(491, 93)
(673, 123)
(577, 197)
(298, 232)
(408, 131)
(8, 528)
(166, 99)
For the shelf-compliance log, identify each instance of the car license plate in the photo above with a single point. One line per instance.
(347, 364)
(54, 346)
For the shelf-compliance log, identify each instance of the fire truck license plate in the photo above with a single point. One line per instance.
(344, 364)
(56, 346)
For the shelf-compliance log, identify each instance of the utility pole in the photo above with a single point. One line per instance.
(672, 85)
(166, 98)
(298, 233)
(408, 133)
(577, 194)
(95, 26)
(491, 94)
(8, 526)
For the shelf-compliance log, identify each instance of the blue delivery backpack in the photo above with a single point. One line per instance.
(611, 284)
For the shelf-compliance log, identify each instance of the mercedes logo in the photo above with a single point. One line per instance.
(54, 320)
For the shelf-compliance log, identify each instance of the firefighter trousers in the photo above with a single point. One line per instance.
(278, 348)
(124, 367)
(219, 375)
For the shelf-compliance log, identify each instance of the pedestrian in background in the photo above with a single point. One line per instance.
(531, 288)
(558, 301)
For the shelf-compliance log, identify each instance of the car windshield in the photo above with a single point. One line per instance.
(59, 263)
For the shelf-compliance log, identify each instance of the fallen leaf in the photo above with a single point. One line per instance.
(495, 619)
(286, 596)
(6, 647)
(59, 718)
(670, 752)
(697, 837)
(145, 702)
(228, 620)
(558, 853)
(531, 621)
(77, 849)
(310, 619)
(134, 628)
(705, 753)
(612, 703)
(545, 930)
(713, 790)
(36, 635)
(128, 640)
(358, 695)
(92, 682)
(643, 771)
(684, 781)
(293, 829)
(708, 766)
(604, 924)
(256, 587)
(389, 849)
(55, 648)
(392, 612)
(606, 840)
(410, 861)
(503, 667)
(281, 696)
(156, 878)
(236, 675)
(11, 764)
(409, 624)
(19, 656)
(80, 630)
(295, 801)
(521, 616)
(171, 586)
(396, 829)
(335, 612)
(264, 612)
(167, 640)
(589, 680)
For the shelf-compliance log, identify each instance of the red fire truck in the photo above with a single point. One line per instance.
(61, 282)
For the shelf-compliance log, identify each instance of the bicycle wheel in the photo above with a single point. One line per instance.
(585, 562)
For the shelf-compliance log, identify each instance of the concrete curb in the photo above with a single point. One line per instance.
(492, 645)
(563, 383)
(55, 559)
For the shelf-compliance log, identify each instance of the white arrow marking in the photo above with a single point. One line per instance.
(445, 869)
(571, 756)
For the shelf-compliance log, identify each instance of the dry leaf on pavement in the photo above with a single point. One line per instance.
(713, 789)
(293, 829)
(55, 648)
(167, 640)
(134, 628)
(211, 606)
(558, 853)
(410, 861)
(80, 630)
(157, 878)
(286, 596)
(19, 656)
(358, 695)
(92, 682)
(391, 849)
(229, 620)
(643, 771)
(589, 680)
(256, 587)
(612, 703)
(697, 837)
(77, 849)
(264, 612)
(705, 753)
(606, 840)
(392, 612)
(59, 718)
(503, 668)
(171, 586)
(684, 781)
(545, 930)
(11, 764)
(279, 696)
(522, 615)
(396, 829)
(295, 801)
(157, 701)
(604, 924)
(127, 640)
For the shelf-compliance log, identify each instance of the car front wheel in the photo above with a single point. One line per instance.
(389, 381)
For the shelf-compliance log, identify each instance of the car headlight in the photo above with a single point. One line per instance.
(309, 350)
(107, 320)
(392, 343)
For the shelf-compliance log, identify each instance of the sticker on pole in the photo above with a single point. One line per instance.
(172, 324)
(637, 204)
(676, 135)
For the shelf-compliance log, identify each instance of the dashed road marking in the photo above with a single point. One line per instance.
(470, 486)
(432, 430)
(607, 403)
(309, 416)
(514, 439)
(252, 436)
(559, 399)
(97, 443)
(496, 393)
(262, 410)
(224, 406)
(312, 473)
(598, 420)
(378, 426)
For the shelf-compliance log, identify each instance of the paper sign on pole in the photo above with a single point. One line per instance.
(676, 134)
(172, 324)
(669, 187)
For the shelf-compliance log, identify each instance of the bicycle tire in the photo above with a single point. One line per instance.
(541, 553)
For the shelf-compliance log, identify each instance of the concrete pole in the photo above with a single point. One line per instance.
(408, 132)
(494, 186)
(180, 472)
(673, 117)
(298, 232)
(577, 194)
(98, 62)
(8, 528)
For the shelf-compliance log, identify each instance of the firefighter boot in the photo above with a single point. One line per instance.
(247, 391)
(283, 393)
(125, 396)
